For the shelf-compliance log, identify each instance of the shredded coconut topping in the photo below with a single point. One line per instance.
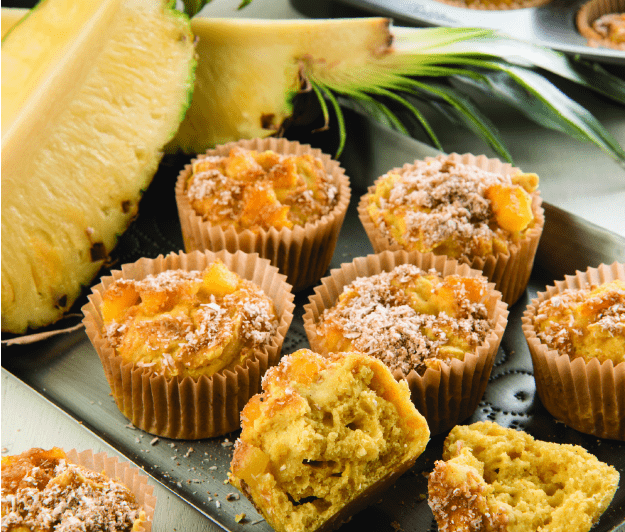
(379, 316)
(249, 190)
(442, 203)
(68, 498)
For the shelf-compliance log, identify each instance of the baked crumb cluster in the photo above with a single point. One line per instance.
(43, 492)
(587, 323)
(409, 319)
(498, 479)
(188, 323)
(324, 432)
(259, 190)
(453, 209)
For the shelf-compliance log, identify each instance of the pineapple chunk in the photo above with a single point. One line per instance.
(116, 302)
(83, 142)
(512, 206)
(219, 280)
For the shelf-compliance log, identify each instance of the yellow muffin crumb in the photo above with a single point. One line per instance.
(498, 479)
(326, 435)
(453, 209)
(587, 323)
(43, 492)
(409, 319)
(260, 190)
(187, 323)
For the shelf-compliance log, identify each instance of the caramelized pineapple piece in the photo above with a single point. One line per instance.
(262, 208)
(219, 280)
(242, 165)
(116, 302)
(512, 206)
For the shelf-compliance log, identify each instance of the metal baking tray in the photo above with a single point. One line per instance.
(67, 372)
(551, 25)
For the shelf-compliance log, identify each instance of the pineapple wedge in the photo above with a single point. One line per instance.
(91, 92)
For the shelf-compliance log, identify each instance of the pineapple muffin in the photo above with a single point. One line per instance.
(495, 5)
(280, 199)
(435, 324)
(44, 490)
(576, 335)
(602, 22)
(492, 478)
(326, 436)
(197, 328)
(472, 209)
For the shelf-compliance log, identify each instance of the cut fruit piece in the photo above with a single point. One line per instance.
(249, 72)
(83, 142)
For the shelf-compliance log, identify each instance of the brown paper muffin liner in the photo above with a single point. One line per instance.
(510, 273)
(126, 473)
(303, 253)
(444, 397)
(189, 408)
(486, 5)
(587, 396)
(591, 11)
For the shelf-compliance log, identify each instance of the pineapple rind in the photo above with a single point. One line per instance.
(82, 187)
(11, 16)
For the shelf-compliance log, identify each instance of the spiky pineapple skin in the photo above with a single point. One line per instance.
(64, 208)
(248, 71)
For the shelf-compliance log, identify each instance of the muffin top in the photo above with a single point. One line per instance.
(188, 323)
(259, 190)
(42, 491)
(453, 209)
(586, 323)
(409, 319)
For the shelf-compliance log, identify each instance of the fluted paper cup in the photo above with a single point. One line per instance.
(510, 272)
(302, 253)
(587, 396)
(185, 407)
(445, 396)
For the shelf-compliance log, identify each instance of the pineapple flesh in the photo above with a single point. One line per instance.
(80, 148)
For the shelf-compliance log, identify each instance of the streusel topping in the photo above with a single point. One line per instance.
(409, 319)
(451, 208)
(188, 323)
(46, 493)
(588, 323)
(253, 190)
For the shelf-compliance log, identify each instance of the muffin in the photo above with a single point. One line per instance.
(185, 339)
(492, 478)
(326, 436)
(433, 322)
(283, 200)
(495, 5)
(575, 331)
(473, 209)
(602, 23)
(51, 490)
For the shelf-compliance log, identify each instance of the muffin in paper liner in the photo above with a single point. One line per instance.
(18, 468)
(593, 10)
(511, 272)
(494, 5)
(186, 407)
(587, 396)
(302, 253)
(449, 395)
(126, 473)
